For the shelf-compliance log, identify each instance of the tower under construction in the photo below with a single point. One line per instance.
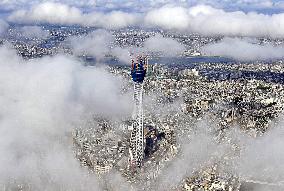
(138, 72)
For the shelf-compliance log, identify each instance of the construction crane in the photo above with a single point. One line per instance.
(138, 72)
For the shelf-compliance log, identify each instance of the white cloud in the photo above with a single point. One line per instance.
(137, 6)
(112, 20)
(42, 100)
(34, 32)
(58, 13)
(95, 44)
(3, 26)
(207, 20)
(244, 50)
(168, 18)
(122, 54)
(165, 46)
(197, 150)
(99, 44)
(48, 12)
(262, 158)
(202, 19)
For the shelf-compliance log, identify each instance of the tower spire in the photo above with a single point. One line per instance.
(138, 72)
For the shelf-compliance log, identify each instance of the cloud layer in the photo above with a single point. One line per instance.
(163, 45)
(95, 44)
(201, 19)
(197, 150)
(100, 43)
(41, 102)
(3, 26)
(207, 20)
(136, 6)
(34, 32)
(244, 50)
(262, 158)
(58, 13)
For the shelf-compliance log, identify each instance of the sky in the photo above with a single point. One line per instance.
(143, 5)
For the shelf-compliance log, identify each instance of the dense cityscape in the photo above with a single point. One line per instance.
(112, 100)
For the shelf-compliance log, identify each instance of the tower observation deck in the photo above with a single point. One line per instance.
(138, 72)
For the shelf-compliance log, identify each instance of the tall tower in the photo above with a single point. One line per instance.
(138, 72)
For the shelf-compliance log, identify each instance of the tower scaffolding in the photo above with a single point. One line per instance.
(137, 134)
(138, 73)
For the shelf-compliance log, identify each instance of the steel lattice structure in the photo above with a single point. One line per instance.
(138, 73)
(137, 134)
